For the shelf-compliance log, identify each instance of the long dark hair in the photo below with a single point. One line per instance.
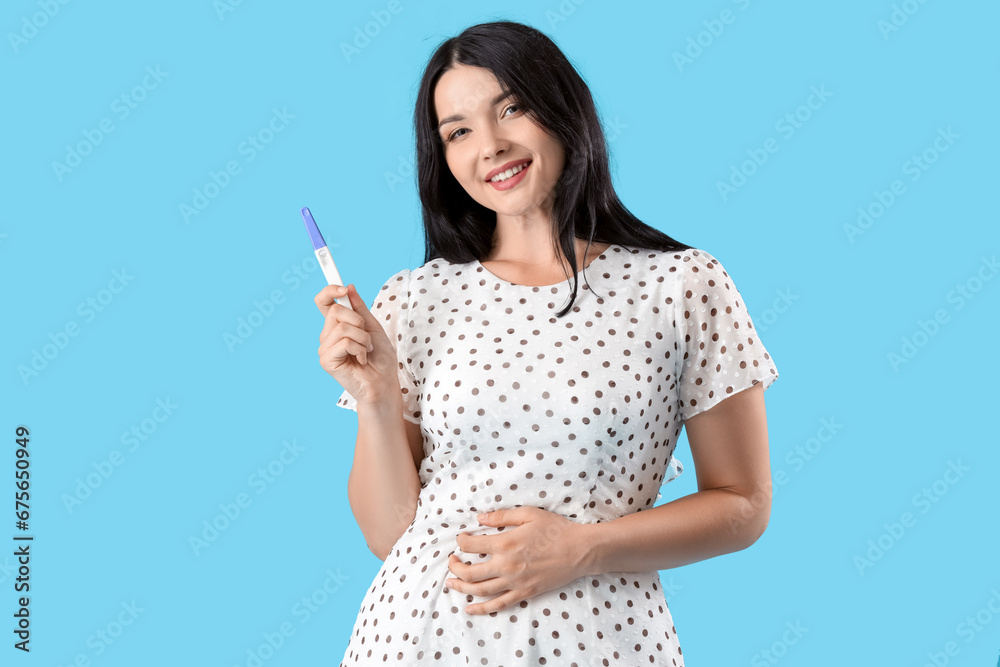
(544, 83)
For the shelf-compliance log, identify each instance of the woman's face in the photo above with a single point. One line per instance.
(490, 134)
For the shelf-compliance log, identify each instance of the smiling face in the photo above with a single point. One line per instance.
(482, 131)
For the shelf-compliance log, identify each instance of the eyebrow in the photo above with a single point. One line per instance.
(496, 100)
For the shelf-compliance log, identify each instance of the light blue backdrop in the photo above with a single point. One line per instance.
(839, 158)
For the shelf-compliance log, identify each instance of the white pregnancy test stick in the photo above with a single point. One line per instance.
(323, 255)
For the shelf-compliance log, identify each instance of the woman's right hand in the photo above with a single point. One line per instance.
(354, 347)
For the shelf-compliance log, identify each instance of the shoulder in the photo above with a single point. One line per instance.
(395, 286)
(665, 264)
(435, 267)
(669, 280)
(438, 276)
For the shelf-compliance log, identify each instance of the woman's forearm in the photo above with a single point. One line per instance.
(687, 530)
(383, 486)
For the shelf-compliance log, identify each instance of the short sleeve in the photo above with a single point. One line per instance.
(391, 308)
(720, 351)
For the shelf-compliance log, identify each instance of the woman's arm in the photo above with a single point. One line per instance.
(729, 512)
(383, 485)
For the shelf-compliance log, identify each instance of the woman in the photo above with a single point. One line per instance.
(510, 451)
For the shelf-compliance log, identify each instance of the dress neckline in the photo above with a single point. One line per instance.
(579, 274)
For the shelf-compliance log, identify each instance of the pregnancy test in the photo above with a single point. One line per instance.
(323, 255)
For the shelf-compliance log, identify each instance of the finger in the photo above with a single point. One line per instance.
(496, 604)
(480, 544)
(493, 586)
(324, 298)
(337, 347)
(339, 324)
(339, 350)
(343, 344)
(355, 325)
(358, 304)
(514, 516)
(472, 573)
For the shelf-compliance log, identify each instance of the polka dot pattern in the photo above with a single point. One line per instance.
(577, 415)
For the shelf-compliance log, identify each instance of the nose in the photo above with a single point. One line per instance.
(493, 143)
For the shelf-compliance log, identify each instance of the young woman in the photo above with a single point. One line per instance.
(514, 428)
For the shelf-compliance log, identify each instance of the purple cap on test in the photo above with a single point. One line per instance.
(314, 235)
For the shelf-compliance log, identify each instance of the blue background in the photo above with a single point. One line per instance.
(831, 304)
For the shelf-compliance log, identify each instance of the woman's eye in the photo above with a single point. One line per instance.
(454, 135)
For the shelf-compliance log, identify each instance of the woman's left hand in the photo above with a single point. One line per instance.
(545, 551)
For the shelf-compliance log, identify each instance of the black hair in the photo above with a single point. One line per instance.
(529, 65)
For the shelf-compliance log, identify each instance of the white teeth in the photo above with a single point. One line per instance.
(503, 176)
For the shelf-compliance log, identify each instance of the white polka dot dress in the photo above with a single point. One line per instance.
(577, 415)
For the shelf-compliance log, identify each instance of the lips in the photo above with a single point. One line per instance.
(509, 165)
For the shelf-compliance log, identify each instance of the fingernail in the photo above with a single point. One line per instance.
(370, 347)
